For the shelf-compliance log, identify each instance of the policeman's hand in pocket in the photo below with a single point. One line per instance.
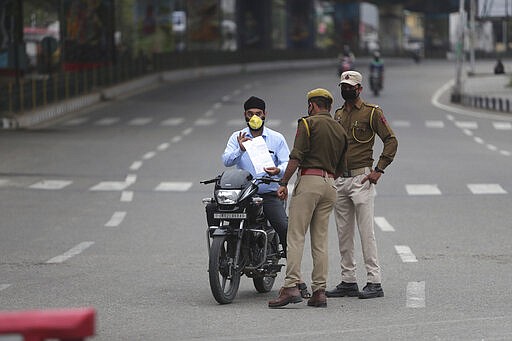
(373, 177)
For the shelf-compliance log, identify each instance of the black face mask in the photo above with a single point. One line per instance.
(349, 95)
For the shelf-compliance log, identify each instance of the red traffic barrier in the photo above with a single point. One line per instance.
(39, 325)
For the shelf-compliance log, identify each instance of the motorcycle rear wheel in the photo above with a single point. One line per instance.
(224, 277)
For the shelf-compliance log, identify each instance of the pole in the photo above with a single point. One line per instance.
(472, 36)
(459, 51)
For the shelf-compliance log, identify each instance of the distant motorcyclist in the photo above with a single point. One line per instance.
(346, 60)
(376, 73)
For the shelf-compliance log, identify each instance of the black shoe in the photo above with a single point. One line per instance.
(344, 289)
(372, 290)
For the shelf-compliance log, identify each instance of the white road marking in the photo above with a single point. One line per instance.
(226, 98)
(187, 131)
(4, 286)
(76, 121)
(478, 140)
(502, 125)
(116, 219)
(131, 178)
(176, 139)
(70, 253)
(492, 147)
(505, 152)
(111, 186)
(400, 123)
(486, 189)
(462, 111)
(204, 122)
(383, 224)
(51, 184)
(127, 196)
(163, 146)
(107, 121)
(209, 113)
(237, 92)
(422, 189)
(434, 124)
(467, 132)
(173, 121)
(415, 295)
(217, 105)
(450, 117)
(140, 121)
(3, 182)
(405, 254)
(173, 186)
(466, 124)
(136, 165)
(149, 155)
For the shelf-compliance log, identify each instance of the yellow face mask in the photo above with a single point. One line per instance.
(255, 122)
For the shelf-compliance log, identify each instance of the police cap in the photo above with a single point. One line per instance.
(319, 92)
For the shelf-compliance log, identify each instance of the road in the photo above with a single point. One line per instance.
(103, 208)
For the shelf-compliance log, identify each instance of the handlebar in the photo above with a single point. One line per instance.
(264, 179)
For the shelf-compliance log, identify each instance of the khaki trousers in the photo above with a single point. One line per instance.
(355, 204)
(311, 205)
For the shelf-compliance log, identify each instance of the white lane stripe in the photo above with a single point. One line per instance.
(187, 131)
(173, 186)
(111, 186)
(235, 123)
(51, 184)
(422, 189)
(163, 146)
(273, 123)
(486, 189)
(226, 98)
(173, 121)
(217, 105)
(176, 139)
(478, 140)
(209, 113)
(505, 152)
(127, 196)
(383, 224)
(107, 121)
(502, 125)
(467, 132)
(204, 122)
(405, 254)
(492, 147)
(466, 124)
(434, 124)
(4, 286)
(116, 219)
(400, 123)
(415, 295)
(136, 165)
(70, 253)
(140, 121)
(149, 155)
(131, 178)
(3, 182)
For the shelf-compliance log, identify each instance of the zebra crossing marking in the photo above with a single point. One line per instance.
(422, 189)
(415, 294)
(51, 184)
(173, 186)
(173, 121)
(405, 254)
(116, 219)
(383, 224)
(111, 186)
(486, 189)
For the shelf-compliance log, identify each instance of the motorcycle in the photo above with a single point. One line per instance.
(375, 82)
(240, 239)
(345, 64)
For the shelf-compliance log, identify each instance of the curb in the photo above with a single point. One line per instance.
(56, 110)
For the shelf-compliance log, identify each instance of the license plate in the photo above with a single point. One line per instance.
(230, 215)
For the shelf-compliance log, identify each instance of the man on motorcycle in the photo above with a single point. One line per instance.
(235, 155)
(376, 73)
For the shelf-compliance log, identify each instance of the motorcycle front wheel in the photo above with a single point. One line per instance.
(265, 284)
(224, 277)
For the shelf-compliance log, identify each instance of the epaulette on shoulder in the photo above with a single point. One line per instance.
(372, 105)
(302, 118)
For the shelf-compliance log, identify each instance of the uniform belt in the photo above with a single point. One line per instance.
(354, 172)
(316, 171)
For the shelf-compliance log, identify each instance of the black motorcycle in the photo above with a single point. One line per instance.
(240, 239)
(376, 82)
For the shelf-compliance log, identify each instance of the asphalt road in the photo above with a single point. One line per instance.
(103, 209)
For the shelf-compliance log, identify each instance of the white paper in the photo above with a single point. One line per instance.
(259, 154)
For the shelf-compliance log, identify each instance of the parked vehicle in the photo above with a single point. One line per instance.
(240, 239)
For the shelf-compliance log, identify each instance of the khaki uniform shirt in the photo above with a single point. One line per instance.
(361, 135)
(320, 144)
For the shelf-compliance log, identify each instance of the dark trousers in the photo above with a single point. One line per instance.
(274, 210)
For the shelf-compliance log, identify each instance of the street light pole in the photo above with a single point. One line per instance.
(459, 55)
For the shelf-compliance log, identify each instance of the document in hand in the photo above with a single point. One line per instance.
(259, 154)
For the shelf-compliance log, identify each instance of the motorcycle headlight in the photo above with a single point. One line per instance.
(227, 196)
